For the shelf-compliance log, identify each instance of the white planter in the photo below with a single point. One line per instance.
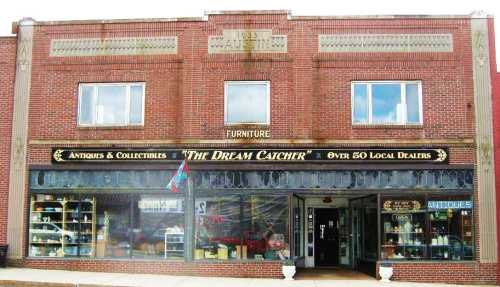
(288, 272)
(385, 273)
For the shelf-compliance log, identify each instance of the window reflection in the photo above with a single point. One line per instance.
(247, 102)
(159, 227)
(243, 227)
(386, 103)
(113, 226)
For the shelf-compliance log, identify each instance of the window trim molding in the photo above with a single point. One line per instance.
(268, 94)
(404, 111)
(94, 86)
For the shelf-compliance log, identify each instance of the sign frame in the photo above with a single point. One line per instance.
(437, 155)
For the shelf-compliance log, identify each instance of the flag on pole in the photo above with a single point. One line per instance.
(180, 177)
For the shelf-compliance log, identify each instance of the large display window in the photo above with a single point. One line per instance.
(427, 227)
(101, 225)
(158, 227)
(62, 225)
(242, 227)
(106, 226)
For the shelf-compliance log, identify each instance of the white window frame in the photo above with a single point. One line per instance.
(404, 120)
(268, 95)
(94, 87)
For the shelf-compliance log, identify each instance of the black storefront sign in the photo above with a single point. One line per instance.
(339, 155)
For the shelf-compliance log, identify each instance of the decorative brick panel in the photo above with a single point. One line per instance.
(113, 46)
(386, 43)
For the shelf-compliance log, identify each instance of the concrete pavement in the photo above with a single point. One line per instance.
(12, 277)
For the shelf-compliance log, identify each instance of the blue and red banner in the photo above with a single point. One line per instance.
(180, 178)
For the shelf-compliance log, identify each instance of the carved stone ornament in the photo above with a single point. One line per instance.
(247, 41)
(386, 43)
(113, 46)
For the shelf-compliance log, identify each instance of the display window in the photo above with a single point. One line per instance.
(451, 229)
(243, 227)
(106, 226)
(62, 225)
(427, 228)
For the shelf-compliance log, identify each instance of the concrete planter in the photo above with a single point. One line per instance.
(385, 273)
(288, 272)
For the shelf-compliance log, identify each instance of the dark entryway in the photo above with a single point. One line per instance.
(326, 237)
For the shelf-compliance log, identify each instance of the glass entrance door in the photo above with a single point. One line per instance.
(364, 233)
(298, 226)
(356, 233)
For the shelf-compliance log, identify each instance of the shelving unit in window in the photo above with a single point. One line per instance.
(61, 226)
(450, 234)
(80, 220)
(440, 235)
(403, 230)
(46, 226)
(174, 244)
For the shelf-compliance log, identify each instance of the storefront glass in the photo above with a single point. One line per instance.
(298, 226)
(106, 226)
(62, 225)
(427, 228)
(243, 227)
(158, 227)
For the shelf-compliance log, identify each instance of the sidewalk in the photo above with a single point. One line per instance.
(11, 277)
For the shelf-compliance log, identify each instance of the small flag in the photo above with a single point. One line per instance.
(179, 178)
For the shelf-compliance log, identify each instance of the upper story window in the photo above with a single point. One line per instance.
(246, 102)
(387, 102)
(111, 104)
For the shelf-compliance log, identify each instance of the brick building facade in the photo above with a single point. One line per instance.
(7, 75)
(310, 71)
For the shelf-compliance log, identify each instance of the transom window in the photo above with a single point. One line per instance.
(111, 104)
(387, 102)
(246, 102)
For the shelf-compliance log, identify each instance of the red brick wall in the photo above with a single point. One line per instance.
(269, 269)
(7, 76)
(461, 273)
(310, 99)
(310, 92)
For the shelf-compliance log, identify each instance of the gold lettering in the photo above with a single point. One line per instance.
(216, 155)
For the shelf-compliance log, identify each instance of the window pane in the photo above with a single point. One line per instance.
(47, 227)
(111, 105)
(246, 103)
(265, 228)
(450, 219)
(412, 104)
(404, 231)
(360, 103)
(158, 221)
(218, 230)
(62, 225)
(386, 103)
(136, 94)
(86, 107)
